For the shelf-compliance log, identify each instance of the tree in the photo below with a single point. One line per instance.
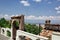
(4, 23)
(32, 28)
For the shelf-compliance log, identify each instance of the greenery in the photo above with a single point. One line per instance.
(4, 23)
(9, 33)
(32, 28)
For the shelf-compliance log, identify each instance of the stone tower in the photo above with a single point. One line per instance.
(47, 22)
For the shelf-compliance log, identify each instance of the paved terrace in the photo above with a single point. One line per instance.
(2, 37)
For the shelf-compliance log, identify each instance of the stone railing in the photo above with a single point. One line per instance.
(56, 36)
(6, 32)
(20, 33)
(31, 36)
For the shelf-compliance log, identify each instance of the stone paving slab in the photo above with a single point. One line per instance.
(3, 37)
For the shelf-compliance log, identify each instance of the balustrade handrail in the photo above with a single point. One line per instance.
(5, 31)
(37, 36)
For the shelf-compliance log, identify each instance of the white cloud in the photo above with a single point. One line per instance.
(57, 9)
(37, 0)
(49, 2)
(31, 17)
(6, 16)
(25, 3)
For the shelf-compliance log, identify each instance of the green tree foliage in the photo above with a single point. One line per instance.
(16, 23)
(8, 33)
(4, 23)
(32, 28)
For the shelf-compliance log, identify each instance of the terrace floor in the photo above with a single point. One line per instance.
(2, 37)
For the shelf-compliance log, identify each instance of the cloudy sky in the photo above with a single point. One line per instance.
(35, 11)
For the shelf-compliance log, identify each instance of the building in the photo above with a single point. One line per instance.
(49, 29)
(53, 27)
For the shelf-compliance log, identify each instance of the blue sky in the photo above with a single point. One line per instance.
(34, 10)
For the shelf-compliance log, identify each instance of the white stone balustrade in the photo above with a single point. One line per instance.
(32, 36)
(22, 33)
(4, 31)
(56, 36)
